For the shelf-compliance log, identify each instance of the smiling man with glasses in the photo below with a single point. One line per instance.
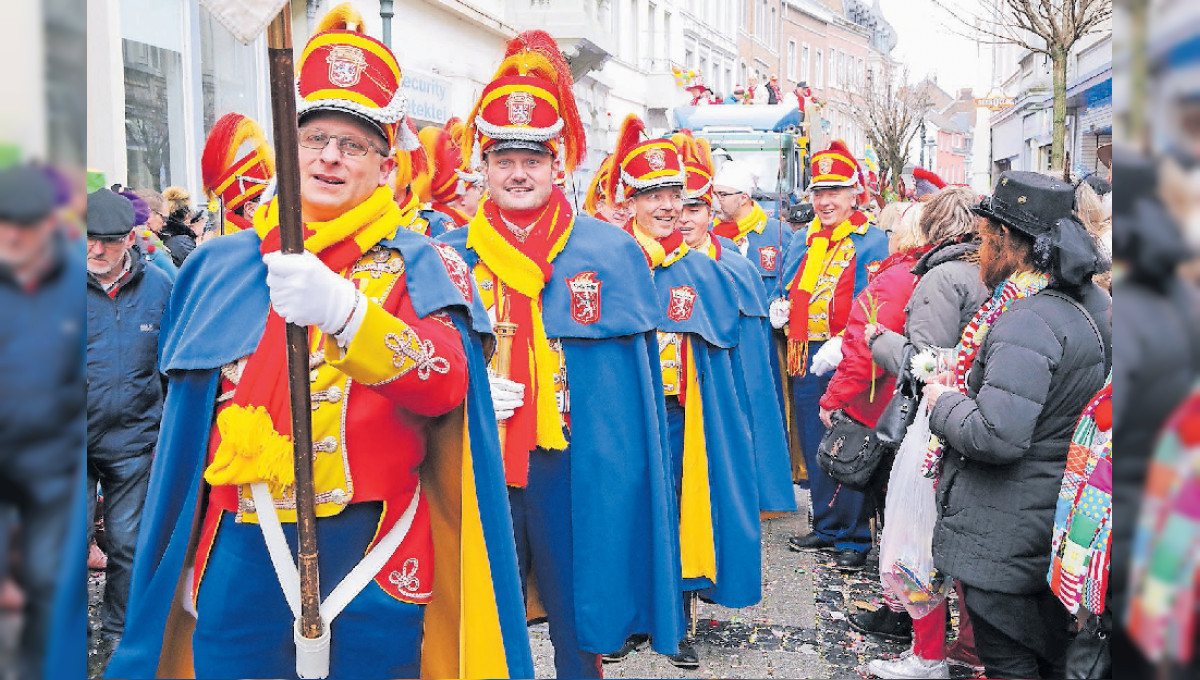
(395, 365)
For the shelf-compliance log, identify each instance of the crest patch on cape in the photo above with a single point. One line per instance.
(683, 300)
(585, 297)
(768, 257)
(460, 274)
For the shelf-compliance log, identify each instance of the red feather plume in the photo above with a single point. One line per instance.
(922, 173)
(631, 133)
(545, 45)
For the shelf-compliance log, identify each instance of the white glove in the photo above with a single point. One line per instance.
(507, 396)
(778, 312)
(828, 357)
(307, 293)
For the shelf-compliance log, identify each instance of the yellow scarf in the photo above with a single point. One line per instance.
(658, 256)
(522, 274)
(755, 221)
(802, 288)
(368, 223)
(409, 217)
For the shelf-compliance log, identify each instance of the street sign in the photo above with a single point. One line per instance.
(995, 103)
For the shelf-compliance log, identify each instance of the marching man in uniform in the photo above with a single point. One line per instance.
(710, 442)
(827, 267)
(236, 182)
(756, 378)
(403, 435)
(576, 384)
(447, 184)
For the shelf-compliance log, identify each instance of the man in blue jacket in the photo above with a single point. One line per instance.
(41, 424)
(125, 300)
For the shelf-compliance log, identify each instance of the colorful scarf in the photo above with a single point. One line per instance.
(756, 220)
(1162, 612)
(524, 268)
(822, 244)
(1016, 287)
(1083, 518)
(256, 429)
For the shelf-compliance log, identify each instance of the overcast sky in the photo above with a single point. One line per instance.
(928, 46)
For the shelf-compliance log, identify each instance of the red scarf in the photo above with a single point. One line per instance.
(547, 231)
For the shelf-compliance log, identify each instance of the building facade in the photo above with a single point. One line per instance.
(1021, 134)
(161, 72)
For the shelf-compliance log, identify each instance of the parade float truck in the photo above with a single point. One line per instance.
(768, 137)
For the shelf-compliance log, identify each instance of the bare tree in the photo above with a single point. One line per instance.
(1048, 27)
(890, 111)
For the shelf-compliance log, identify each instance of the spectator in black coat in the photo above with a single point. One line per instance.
(1039, 355)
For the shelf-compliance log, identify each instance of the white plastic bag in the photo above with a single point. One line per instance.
(906, 548)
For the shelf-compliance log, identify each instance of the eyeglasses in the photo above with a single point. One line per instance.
(355, 146)
(727, 194)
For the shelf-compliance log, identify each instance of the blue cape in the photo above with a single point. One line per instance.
(624, 517)
(759, 386)
(715, 326)
(222, 285)
(778, 235)
(439, 223)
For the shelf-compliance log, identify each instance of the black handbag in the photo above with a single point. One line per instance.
(1089, 654)
(849, 452)
(901, 411)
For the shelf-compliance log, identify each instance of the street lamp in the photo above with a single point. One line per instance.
(386, 12)
(922, 128)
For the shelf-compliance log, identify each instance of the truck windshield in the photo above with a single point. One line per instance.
(766, 165)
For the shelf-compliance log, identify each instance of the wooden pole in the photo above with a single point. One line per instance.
(287, 177)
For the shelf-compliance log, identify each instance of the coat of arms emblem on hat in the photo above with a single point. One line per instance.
(657, 158)
(683, 299)
(520, 108)
(585, 297)
(825, 165)
(346, 65)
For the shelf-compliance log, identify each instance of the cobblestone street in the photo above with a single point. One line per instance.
(799, 629)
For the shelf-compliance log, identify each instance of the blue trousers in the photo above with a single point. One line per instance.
(244, 625)
(541, 515)
(123, 481)
(840, 515)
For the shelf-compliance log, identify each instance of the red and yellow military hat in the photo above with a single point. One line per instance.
(228, 176)
(835, 167)
(596, 193)
(528, 105)
(343, 69)
(447, 176)
(642, 165)
(698, 164)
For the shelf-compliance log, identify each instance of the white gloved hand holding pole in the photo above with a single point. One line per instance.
(828, 357)
(778, 312)
(307, 293)
(507, 396)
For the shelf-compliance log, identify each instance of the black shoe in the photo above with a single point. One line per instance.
(687, 658)
(808, 543)
(884, 623)
(850, 559)
(632, 644)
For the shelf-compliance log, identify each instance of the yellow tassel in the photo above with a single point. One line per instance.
(797, 358)
(251, 451)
